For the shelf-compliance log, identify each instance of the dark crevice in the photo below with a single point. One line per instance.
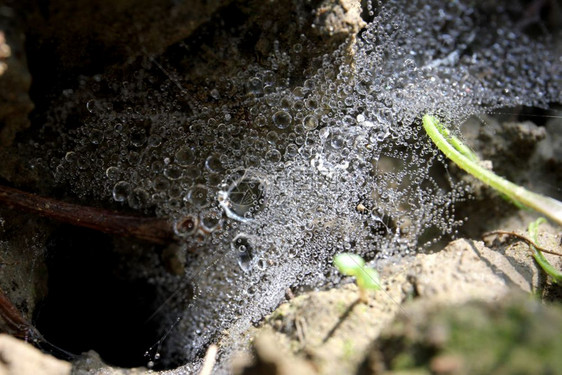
(94, 303)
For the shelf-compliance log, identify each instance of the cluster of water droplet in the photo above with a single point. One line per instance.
(278, 177)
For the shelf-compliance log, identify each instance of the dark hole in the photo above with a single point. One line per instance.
(93, 304)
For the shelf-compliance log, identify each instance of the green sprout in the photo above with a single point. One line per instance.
(365, 277)
(455, 150)
(539, 257)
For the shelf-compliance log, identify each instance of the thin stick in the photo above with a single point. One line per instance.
(209, 361)
(14, 322)
(522, 238)
(155, 230)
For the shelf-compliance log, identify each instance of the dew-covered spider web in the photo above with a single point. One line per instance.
(283, 168)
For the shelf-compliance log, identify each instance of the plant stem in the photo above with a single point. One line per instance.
(531, 242)
(455, 150)
(539, 258)
(363, 295)
(155, 230)
(13, 321)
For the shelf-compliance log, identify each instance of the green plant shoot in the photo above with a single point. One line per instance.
(365, 277)
(455, 150)
(539, 257)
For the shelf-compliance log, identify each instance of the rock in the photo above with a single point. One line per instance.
(515, 335)
(333, 330)
(90, 363)
(270, 360)
(98, 32)
(18, 358)
(23, 276)
(466, 270)
(15, 79)
(339, 17)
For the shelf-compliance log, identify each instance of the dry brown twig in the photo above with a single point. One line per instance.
(14, 323)
(152, 229)
(521, 237)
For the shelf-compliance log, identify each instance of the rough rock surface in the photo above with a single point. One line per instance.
(19, 358)
(512, 336)
(321, 326)
(15, 79)
(24, 279)
(90, 363)
(103, 32)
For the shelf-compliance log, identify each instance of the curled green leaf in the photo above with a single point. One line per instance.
(348, 264)
(365, 277)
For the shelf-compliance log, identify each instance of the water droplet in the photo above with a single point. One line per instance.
(210, 219)
(261, 264)
(70, 156)
(310, 122)
(272, 137)
(161, 184)
(255, 86)
(186, 226)
(243, 251)
(154, 140)
(173, 172)
(137, 198)
(213, 163)
(273, 156)
(291, 151)
(96, 136)
(282, 119)
(311, 103)
(244, 198)
(184, 156)
(121, 191)
(113, 173)
(215, 94)
(198, 195)
(91, 105)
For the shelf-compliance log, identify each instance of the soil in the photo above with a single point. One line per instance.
(331, 332)
(455, 310)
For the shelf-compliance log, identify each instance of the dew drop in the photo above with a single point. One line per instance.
(112, 173)
(184, 156)
(198, 195)
(137, 198)
(121, 191)
(282, 119)
(243, 251)
(185, 226)
(244, 198)
(213, 163)
(173, 172)
(310, 122)
(273, 156)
